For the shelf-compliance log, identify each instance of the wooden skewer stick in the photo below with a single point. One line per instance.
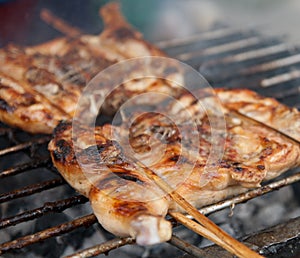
(215, 233)
(199, 229)
(59, 24)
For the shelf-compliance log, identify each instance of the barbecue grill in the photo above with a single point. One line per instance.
(39, 211)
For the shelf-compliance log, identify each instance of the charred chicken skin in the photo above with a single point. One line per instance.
(56, 73)
(39, 90)
(127, 202)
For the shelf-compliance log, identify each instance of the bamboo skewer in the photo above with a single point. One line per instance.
(199, 229)
(211, 230)
(59, 24)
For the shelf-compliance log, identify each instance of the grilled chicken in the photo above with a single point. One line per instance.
(117, 191)
(266, 110)
(22, 107)
(57, 72)
(103, 166)
(40, 87)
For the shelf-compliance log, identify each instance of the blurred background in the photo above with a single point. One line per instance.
(158, 20)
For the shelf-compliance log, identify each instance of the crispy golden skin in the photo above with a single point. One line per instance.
(110, 180)
(59, 70)
(123, 197)
(266, 110)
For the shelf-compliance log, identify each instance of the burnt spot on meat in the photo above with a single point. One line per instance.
(238, 169)
(260, 167)
(5, 106)
(123, 33)
(48, 116)
(266, 152)
(102, 147)
(179, 159)
(62, 151)
(61, 127)
(107, 153)
(128, 209)
(174, 158)
(25, 118)
(129, 177)
(194, 102)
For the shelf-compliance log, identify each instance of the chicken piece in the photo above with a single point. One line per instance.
(124, 201)
(268, 155)
(37, 72)
(100, 164)
(266, 110)
(60, 69)
(22, 107)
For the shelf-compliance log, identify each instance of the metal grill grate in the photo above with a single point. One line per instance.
(226, 57)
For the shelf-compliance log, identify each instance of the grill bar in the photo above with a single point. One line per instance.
(249, 55)
(287, 61)
(281, 78)
(243, 43)
(186, 247)
(24, 167)
(25, 145)
(21, 242)
(28, 190)
(103, 248)
(110, 245)
(209, 35)
(48, 207)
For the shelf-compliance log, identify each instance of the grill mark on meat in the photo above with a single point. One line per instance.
(128, 209)
(180, 160)
(6, 107)
(110, 181)
(29, 99)
(126, 175)
(61, 127)
(108, 152)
